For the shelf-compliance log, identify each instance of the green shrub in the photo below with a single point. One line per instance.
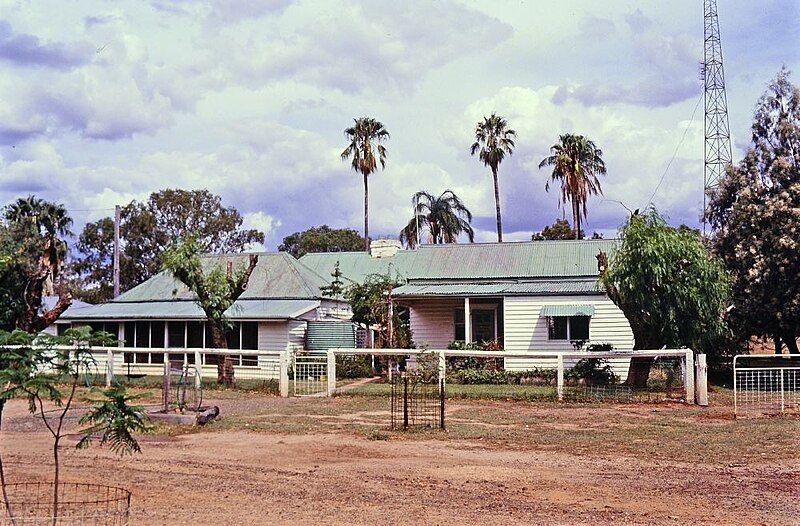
(594, 371)
(353, 367)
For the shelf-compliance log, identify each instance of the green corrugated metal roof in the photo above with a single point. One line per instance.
(533, 259)
(356, 266)
(567, 310)
(277, 309)
(324, 335)
(277, 275)
(542, 287)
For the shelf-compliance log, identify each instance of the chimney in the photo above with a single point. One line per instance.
(384, 248)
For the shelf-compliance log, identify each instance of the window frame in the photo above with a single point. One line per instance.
(570, 337)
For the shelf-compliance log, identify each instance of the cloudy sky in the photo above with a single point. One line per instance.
(105, 102)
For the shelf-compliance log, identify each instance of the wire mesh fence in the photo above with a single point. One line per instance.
(640, 376)
(766, 385)
(416, 402)
(34, 503)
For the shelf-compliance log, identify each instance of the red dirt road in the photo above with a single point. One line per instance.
(240, 477)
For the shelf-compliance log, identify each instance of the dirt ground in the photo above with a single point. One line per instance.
(299, 461)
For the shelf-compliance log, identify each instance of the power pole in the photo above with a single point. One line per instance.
(117, 215)
(717, 129)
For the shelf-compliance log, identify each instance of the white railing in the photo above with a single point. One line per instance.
(766, 388)
(686, 356)
(248, 364)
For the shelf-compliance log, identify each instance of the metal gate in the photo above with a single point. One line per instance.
(766, 384)
(310, 375)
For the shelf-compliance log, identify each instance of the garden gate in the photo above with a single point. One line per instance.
(766, 384)
(310, 374)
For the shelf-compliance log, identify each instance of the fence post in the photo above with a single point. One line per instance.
(442, 367)
(283, 380)
(783, 395)
(560, 376)
(198, 365)
(331, 372)
(109, 367)
(701, 380)
(735, 390)
(689, 376)
(165, 385)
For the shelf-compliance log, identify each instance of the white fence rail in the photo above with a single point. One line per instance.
(121, 364)
(766, 384)
(561, 358)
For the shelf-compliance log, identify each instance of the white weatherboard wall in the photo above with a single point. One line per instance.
(525, 330)
(432, 322)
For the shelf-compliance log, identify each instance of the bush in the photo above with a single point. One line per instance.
(593, 371)
(490, 376)
(353, 367)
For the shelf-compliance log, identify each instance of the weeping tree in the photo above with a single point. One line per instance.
(670, 288)
(216, 288)
(444, 217)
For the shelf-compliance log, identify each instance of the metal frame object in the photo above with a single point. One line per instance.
(768, 389)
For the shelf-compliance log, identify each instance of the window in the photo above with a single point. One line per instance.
(176, 334)
(61, 328)
(157, 334)
(568, 328)
(458, 318)
(194, 334)
(142, 334)
(130, 333)
(234, 336)
(249, 335)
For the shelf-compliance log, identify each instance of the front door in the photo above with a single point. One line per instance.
(484, 326)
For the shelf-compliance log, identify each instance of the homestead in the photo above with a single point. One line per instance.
(282, 297)
(540, 296)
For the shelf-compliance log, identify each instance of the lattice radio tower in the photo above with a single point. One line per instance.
(717, 129)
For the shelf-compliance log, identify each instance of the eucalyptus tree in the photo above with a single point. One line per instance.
(493, 140)
(365, 153)
(754, 213)
(216, 288)
(445, 217)
(576, 163)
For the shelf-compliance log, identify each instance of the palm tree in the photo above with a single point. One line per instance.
(445, 217)
(40, 223)
(494, 139)
(576, 163)
(365, 139)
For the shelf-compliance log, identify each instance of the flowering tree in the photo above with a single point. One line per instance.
(755, 213)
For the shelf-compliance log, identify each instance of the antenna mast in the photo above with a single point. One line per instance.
(717, 128)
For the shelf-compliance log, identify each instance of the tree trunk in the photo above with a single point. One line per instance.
(366, 214)
(497, 206)
(224, 366)
(778, 345)
(576, 219)
(791, 343)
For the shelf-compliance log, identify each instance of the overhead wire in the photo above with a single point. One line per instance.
(675, 153)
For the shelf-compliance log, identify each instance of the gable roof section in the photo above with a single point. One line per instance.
(280, 288)
(277, 275)
(475, 261)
